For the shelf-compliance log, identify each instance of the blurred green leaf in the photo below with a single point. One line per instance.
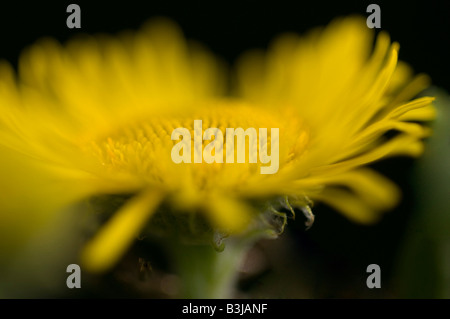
(423, 269)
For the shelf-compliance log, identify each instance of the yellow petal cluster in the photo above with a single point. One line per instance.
(95, 117)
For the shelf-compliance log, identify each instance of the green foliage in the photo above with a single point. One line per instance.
(424, 265)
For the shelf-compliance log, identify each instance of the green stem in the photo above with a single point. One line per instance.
(206, 273)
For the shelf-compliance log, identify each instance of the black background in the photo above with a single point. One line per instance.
(335, 248)
(231, 27)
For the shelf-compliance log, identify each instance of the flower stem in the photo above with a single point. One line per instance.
(206, 273)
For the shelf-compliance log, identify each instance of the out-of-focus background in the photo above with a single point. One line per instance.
(411, 244)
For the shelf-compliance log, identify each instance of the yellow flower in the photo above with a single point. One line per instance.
(95, 117)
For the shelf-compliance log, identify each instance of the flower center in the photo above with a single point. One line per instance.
(144, 147)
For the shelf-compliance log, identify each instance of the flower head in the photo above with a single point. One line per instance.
(95, 117)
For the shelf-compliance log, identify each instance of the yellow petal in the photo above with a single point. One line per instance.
(376, 190)
(411, 89)
(114, 238)
(350, 205)
(408, 107)
(371, 135)
(400, 145)
(228, 214)
(426, 113)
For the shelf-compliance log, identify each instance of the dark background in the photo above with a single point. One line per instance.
(332, 257)
(230, 27)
